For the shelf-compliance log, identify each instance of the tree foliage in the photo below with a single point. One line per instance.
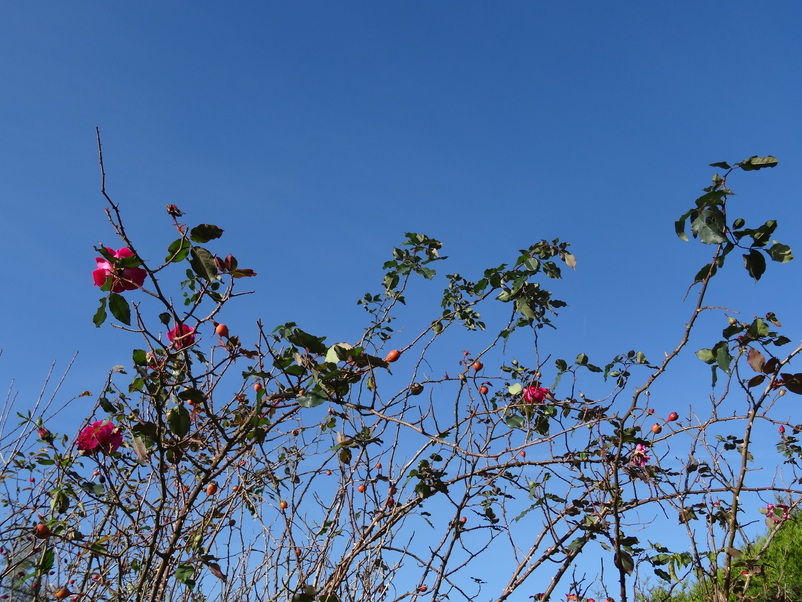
(770, 566)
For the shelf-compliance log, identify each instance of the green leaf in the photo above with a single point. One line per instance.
(762, 235)
(202, 263)
(781, 340)
(523, 307)
(514, 421)
(178, 421)
(361, 359)
(721, 165)
(679, 226)
(755, 264)
(755, 163)
(505, 296)
(311, 399)
(203, 233)
(100, 314)
(515, 389)
(708, 225)
(307, 594)
(308, 341)
(706, 355)
(723, 357)
(107, 406)
(140, 357)
(46, 561)
(183, 574)
(178, 250)
(780, 253)
(731, 330)
(193, 395)
(119, 308)
(624, 561)
(337, 353)
(708, 271)
(758, 329)
(711, 199)
(480, 286)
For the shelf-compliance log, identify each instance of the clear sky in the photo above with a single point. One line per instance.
(317, 133)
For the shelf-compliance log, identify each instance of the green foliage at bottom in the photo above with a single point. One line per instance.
(769, 570)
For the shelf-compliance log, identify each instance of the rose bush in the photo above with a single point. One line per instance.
(276, 465)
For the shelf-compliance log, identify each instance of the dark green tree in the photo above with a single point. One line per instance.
(770, 568)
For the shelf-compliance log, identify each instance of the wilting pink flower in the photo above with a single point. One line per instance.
(536, 394)
(181, 336)
(639, 456)
(45, 435)
(778, 512)
(122, 279)
(99, 436)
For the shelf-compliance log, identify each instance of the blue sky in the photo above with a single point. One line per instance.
(317, 133)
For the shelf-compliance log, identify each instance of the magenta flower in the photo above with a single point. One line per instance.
(536, 394)
(778, 513)
(639, 456)
(181, 336)
(122, 279)
(99, 436)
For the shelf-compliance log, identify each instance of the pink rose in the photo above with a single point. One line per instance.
(99, 436)
(639, 456)
(122, 279)
(536, 394)
(181, 336)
